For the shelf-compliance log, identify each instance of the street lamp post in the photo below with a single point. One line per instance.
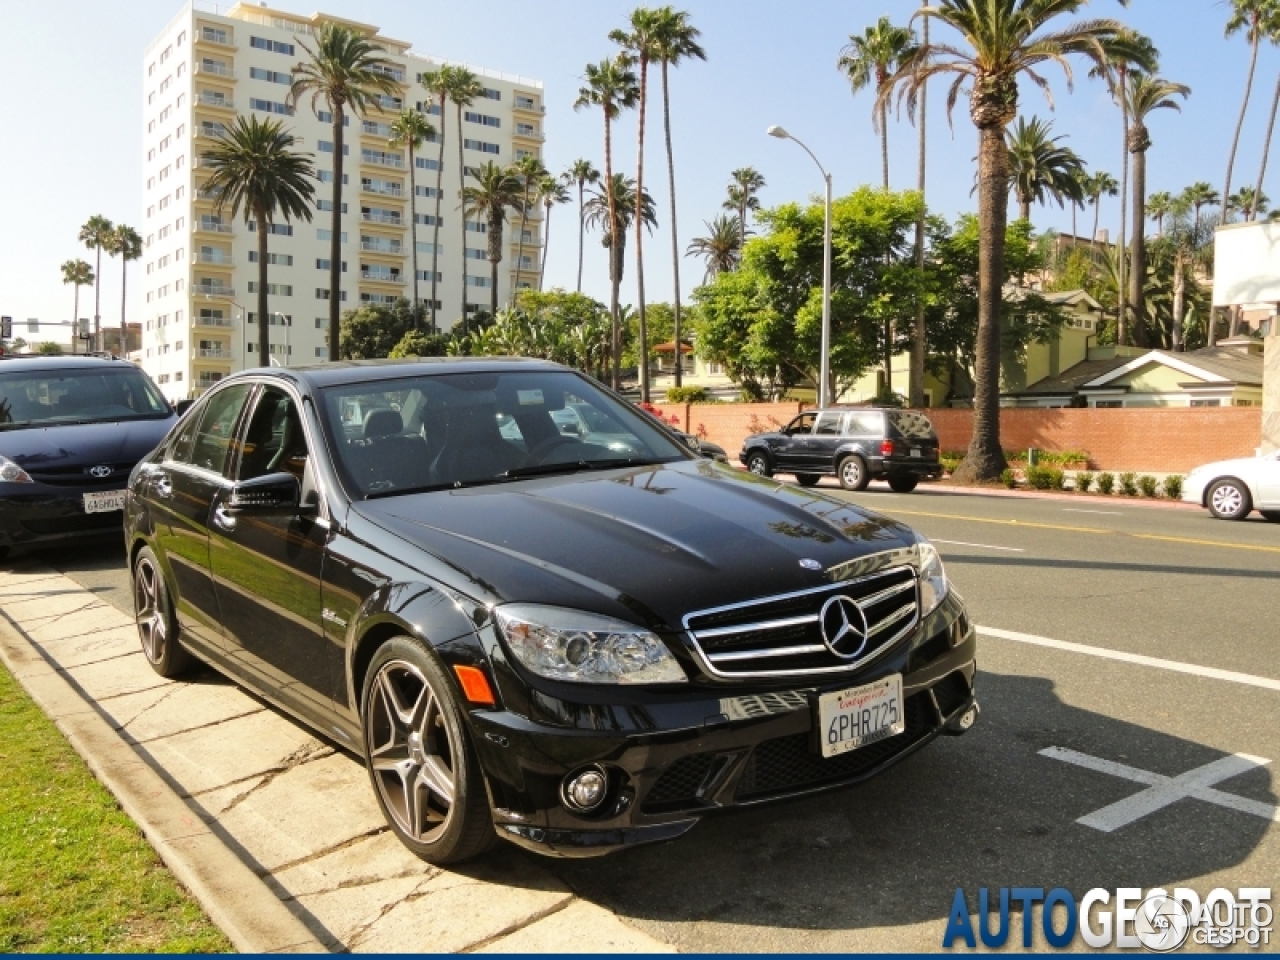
(284, 322)
(824, 375)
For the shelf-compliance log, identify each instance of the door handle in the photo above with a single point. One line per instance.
(223, 519)
(164, 487)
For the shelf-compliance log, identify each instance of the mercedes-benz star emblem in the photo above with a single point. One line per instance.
(844, 627)
(100, 472)
(810, 564)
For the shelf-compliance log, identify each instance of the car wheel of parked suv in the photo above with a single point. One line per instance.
(758, 463)
(808, 479)
(157, 625)
(902, 484)
(853, 473)
(1229, 500)
(424, 770)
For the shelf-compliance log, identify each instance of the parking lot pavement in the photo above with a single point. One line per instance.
(1084, 771)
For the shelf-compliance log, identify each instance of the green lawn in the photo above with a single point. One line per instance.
(76, 875)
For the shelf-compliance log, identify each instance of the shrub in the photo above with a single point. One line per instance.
(949, 463)
(1038, 477)
(1148, 485)
(1008, 478)
(1057, 479)
(1106, 483)
(687, 395)
(1084, 480)
(1173, 487)
(1129, 484)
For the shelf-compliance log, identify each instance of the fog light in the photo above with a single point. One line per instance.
(965, 721)
(585, 790)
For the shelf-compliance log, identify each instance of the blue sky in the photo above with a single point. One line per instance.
(71, 116)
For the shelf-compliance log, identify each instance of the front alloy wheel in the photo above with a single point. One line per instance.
(424, 772)
(1229, 500)
(758, 464)
(153, 613)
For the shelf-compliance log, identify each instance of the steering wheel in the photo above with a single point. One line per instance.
(539, 453)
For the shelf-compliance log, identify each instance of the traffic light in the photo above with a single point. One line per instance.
(6, 328)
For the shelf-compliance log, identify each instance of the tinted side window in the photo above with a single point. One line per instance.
(274, 441)
(180, 447)
(801, 424)
(828, 425)
(912, 425)
(864, 424)
(217, 428)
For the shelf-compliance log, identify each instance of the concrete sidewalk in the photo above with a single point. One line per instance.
(275, 832)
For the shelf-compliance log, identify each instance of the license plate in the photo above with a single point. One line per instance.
(104, 501)
(917, 452)
(852, 718)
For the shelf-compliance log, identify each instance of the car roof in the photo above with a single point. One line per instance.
(365, 371)
(39, 361)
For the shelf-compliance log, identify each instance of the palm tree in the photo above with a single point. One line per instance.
(1273, 34)
(550, 193)
(611, 86)
(411, 129)
(256, 168)
(1039, 168)
(1258, 19)
(464, 88)
(872, 58)
(721, 248)
(1099, 185)
(1002, 39)
(1198, 195)
(1245, 199)
(125, 243)
(530, 171)
(80, 274)
(439, 83)
(1144, 94)
(1159, 206)
(497, 189)
(621, 196)
(580, 173)
(744, 185)
(344, 71)
(919, 347)
(96, 234)
(1192, 245)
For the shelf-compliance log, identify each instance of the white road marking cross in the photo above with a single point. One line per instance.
(1162, 791)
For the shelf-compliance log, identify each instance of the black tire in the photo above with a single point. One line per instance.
(852, 473)
(808, 479)
(444, 816)
(758, 463)
(1229, 500)
(903, 484)
(4, 553)
(157, 624)
(1272, 515)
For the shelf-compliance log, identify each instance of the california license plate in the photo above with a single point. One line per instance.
(104, 501)
(917, 452)
(852, 718)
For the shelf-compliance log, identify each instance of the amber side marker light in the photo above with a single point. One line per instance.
(475, 685)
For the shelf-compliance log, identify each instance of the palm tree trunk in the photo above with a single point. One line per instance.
(524, 217)
(1024, 209)
(1266, 143)
(264, 320)
(643, 346)
(124, 277)
(615, 375)
(546, 245)
(1235, 140)
(335, 246)
(675, 238)
(435, 229)
(97, 297)
(1074, 235)
(495, 257)
(985, 459)
(884, 146)
(75, 320)
(1122, 311)
(413, 238)
(582, 232)
(1093, 240)
(916, 379)
(1179, 299)
(1138, 257)
(462, 184)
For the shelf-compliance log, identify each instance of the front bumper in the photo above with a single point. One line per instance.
(672, 761)
(35, 514)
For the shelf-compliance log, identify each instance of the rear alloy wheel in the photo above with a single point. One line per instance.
(903, 484)
(853, 473)
(425, 773)
(153, 613)
(758, 463)
(808, 479)
(1229, 500)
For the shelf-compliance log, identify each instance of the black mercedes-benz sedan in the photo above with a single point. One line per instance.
(575, 646)
(71, 430)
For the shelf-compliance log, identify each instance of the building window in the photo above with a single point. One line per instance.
(323, 294)
(482, 118)
(279, 229)
(426, 275)
(279, 259)
(322, 204)
(271, 76)
(324, 263)
(273, 289)
(326, 146)
(275, 46)
(475, 227)
(324, 116)
(477, 281)
(481, 145)
(421, 191)
(327, 235)
(270, 106)
(1214, 402)
(426, 163)
(436, 248)
(474, 254)
(491, 93)
(322, 353)
(428, 219)
(1109, 404)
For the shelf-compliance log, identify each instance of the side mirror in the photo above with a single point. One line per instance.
(182, 406)
(272, 495)
(692, 442)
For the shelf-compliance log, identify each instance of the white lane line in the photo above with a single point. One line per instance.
(1107, 513)
(1163, 791)
(984, 546)
(1175, 665)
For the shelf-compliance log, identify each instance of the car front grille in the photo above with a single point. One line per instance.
(44, 526)
(81, 477)
(782, 636)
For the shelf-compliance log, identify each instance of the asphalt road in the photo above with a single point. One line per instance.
(876, 867)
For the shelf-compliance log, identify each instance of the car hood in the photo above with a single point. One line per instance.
(648, 543)
(83, 444)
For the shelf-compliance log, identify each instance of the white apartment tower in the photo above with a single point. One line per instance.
(200, 269)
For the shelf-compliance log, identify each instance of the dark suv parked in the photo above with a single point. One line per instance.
(854, 445)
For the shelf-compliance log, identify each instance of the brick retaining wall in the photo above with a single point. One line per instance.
(1159, 440)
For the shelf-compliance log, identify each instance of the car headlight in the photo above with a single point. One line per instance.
(10, 472)
(933, 577)
(581, 647)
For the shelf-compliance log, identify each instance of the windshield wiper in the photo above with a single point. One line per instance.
(574, 466)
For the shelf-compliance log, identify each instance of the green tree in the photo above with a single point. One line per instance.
(373, 330)
(1039, 169)
(1099, 185)
(421, 343)
(743, 198)
(581, 173)
(720, 249)
(443, 84)
(464, 88)
(530, 171)
(96, 235)
(344, 71)
(411, 130)
(255, 168)
(497, 189)
(611, 86)
(869, 60)
(79, 274)
(1200, 195)
(1189, 245)
(1159, 206)
(551, 193)
(628, 208)
(1144, 95)
(1245, 199)
(1000, 40)
(1257, 19)
(125, 243)
(661, 330)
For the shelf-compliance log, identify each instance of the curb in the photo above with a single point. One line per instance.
(235, 898)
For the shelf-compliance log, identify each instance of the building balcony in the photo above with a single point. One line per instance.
(529, 133)
(394, 250)
(384, 190)
(213, 290)
(205, 353)
(217, 38)
(221, 322)
(219, 70)
(388, 219)
(222, 103)
(392, 73)
(211, 226)
(382, 278)
(528, 106)
(374, 128)
(383, 160)
(210, 131)
(214, 259)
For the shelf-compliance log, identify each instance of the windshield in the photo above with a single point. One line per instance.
(49, 398)
(456, 430)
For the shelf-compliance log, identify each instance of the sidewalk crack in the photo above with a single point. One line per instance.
(520, 925)
(349, 842)
(304, 754)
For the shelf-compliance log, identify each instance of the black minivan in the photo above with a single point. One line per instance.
(856, 445)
